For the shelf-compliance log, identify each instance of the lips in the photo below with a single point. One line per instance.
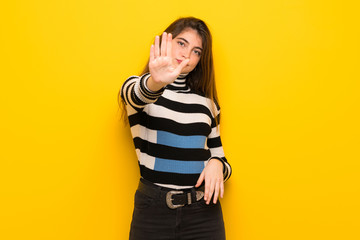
(179, 61)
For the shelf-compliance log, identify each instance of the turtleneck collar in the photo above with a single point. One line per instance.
(179, 83)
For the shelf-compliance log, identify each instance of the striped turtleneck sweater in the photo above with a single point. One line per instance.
(174, 132)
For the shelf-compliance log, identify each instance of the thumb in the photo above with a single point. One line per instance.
(200, 180)
(182, 65)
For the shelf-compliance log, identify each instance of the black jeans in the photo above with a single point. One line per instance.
(153, 220)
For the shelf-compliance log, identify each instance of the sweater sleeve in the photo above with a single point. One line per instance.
(215, 146)
(135, 92)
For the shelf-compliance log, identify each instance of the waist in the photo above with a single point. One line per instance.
(174, 198)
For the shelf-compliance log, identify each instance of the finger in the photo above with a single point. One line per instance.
(163, 44)
(152, 53)
(212, 187)
(169, 45)
(207, 190)
(222, 189)
(216, 192)
(200, 180)
(183, 64)
(157, 51)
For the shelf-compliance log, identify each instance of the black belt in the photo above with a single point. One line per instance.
(174, 198)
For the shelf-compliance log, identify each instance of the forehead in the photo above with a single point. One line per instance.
(191, 36)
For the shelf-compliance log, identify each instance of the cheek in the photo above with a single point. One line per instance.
(195, 61)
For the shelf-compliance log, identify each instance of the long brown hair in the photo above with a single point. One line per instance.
(202, 79)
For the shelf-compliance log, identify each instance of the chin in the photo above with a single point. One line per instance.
(187, 70)
(184, 71)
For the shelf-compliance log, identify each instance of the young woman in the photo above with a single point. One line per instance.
(174, 119)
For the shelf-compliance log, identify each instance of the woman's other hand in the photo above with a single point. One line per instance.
(214, 180)
(161, 66)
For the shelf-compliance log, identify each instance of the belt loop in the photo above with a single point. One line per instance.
(189, 197)
(193, 195)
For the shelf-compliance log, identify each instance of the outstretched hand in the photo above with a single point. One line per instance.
(161, 65)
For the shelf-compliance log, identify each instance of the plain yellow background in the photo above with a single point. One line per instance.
(288, 81)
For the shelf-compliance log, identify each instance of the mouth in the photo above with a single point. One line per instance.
(179, 61)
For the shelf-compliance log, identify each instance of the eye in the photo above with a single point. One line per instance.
(197, 53)
(181, 43)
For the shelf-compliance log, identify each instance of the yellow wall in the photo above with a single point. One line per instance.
(288, 81)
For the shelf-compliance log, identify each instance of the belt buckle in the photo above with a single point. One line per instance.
(169, 199)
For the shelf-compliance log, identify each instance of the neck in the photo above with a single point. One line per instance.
(183, 75)
(179, 83)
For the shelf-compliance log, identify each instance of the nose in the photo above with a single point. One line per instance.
(186, 53)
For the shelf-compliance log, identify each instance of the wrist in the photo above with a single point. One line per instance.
(219, 162)
(154, 85)
(224, 169)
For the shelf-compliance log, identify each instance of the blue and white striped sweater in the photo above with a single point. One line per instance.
(174, 132)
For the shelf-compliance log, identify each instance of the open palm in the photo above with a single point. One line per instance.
(161, 64)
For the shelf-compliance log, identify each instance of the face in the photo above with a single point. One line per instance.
(188, 44)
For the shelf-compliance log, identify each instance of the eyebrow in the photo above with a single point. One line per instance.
(188, 42)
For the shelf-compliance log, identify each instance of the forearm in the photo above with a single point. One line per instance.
(135, 92)
(154, 85)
